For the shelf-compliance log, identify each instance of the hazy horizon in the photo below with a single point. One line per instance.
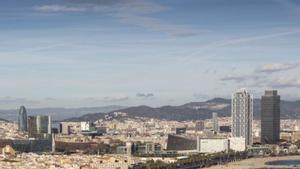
(133, 105)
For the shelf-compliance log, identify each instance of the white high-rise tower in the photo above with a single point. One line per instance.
(242, 115)
(215, 122)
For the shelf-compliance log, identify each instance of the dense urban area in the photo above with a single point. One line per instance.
(121, 142)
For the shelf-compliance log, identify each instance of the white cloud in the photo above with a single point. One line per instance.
(277, 67)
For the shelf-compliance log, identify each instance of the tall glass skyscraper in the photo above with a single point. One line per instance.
(270, 117)
(22, 119)
(242, 115)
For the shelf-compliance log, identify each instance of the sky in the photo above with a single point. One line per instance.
(82, 53)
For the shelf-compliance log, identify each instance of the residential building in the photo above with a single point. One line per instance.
(242, 115)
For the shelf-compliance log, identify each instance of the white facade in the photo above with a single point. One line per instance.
(237, 144)
(212, 145)
(242, 115)
(129, 148)
(85, 126)
(49, 124)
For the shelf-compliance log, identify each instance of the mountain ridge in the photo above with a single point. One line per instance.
(196, 110)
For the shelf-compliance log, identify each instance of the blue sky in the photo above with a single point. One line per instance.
(75, 53)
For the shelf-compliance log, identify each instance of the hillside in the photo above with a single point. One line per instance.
(196, 110)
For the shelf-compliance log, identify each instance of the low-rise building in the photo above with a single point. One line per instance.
(70, 127)
(8, 151)
(212, 145)
(237, 144)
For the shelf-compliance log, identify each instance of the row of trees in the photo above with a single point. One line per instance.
(195, 161)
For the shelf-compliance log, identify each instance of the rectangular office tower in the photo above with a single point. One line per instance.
(39, 126)
(242, 115)
(270, 117)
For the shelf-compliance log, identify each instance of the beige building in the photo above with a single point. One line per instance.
(70, 127)
(8, 151)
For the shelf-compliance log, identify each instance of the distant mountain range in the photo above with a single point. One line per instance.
(58, 113)
(194, 111)
(188, 111)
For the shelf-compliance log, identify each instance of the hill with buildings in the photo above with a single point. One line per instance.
(188, 111)
(194, 111)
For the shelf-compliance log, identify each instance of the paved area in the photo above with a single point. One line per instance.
(257, 163)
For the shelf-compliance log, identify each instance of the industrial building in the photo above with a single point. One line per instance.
(184, 143)
(181, 142)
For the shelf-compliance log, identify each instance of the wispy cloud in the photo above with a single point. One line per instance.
(158, 25)
(16, 101)
(115, 98)
(255, 38)
(235, 78)
(241, 78)
(58, 8)
(106, 99)
(200, 96)
(144, 95)
(216, 45)
(277, 67)
(285, 83)
(258, 78)
(134, 12)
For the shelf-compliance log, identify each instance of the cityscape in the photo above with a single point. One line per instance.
(149, 84)
(119, 141)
